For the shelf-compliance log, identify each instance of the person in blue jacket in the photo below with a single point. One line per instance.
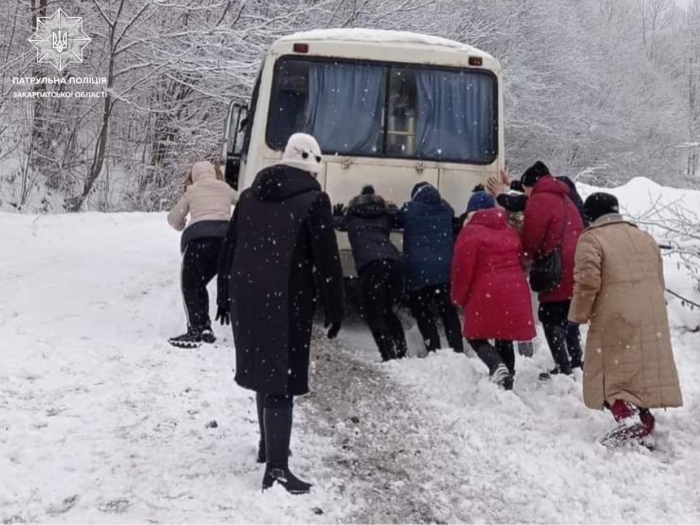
(428, 244)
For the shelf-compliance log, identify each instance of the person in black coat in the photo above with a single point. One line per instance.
(279, 253)
(369, 221)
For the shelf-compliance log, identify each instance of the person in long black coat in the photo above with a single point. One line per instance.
(279, 254)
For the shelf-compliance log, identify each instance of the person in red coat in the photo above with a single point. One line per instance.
(489, 283)
(552, 221)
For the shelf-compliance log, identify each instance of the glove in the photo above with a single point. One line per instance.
(334, 328)
(338, 210)
(223, 315)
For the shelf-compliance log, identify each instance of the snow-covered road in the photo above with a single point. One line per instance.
(102, 421)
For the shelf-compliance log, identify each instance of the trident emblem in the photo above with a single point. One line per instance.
(59, 40)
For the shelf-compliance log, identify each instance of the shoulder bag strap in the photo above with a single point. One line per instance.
(563, 226)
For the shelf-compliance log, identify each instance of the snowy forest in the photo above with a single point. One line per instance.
(603, 90)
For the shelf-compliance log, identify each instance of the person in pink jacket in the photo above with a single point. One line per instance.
(207, 201)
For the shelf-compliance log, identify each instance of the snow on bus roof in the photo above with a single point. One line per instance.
(381, 36)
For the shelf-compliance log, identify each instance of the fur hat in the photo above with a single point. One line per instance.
(534, 173)
(303, 152)
(480, 200)
(599, 204)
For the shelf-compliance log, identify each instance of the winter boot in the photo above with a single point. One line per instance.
(628, 430)
(508, 382)
(260, 406)
(192, 339)
(632, 426)
(556, 371)
(208, 335)
(262, 454)
(278, 433)
(649, 422)
(573, 344)
(501, 377)
(400, 345)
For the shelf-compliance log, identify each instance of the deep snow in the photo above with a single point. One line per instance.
(102, 421)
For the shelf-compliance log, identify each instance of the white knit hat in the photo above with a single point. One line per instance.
(303, 152)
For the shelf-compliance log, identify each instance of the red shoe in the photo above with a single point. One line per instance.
(632, 426)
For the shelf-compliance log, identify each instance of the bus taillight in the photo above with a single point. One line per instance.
(301, 48)
(476, 61)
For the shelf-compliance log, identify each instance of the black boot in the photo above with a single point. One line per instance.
(278, 433)
(546, 376)
(259, 404)
(191, 339)
(208, 335)
(557, 341)
(573, 343)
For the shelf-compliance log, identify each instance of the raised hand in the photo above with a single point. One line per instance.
(339, 210)
(506, 177)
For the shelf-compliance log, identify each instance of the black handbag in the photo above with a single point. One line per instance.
(546, 273)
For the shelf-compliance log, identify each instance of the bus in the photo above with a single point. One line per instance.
(388, 108)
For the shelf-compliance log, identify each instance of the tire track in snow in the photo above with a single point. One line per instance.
(396, 457)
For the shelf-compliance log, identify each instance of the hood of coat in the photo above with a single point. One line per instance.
(279, 182)
(494, 218)
(608, 219)
(549, 184)
(203, 170)
(367, 206)
(427, 194)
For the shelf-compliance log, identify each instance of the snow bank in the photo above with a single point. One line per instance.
(637, 198)
(534, 450)
(100, 419)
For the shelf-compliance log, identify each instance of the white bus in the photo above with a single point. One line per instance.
(388, 108)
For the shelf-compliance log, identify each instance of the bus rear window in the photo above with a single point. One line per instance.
(372, 109)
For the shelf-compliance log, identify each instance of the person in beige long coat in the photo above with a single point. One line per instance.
(619, 288)
(207, 200)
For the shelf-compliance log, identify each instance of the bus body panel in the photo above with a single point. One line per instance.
(344, 175)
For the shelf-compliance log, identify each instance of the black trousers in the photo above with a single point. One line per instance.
(563, 338)
(423, 304)
(382, 286)
(199, 267)
(500, 353)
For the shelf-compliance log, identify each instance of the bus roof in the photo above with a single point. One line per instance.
(379, 36)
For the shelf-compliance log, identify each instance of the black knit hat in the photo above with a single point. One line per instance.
(599, 204)
(418, 187)
(368, 190)
(534, 173)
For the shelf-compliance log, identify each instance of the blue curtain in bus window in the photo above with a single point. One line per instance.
(455, 116)
(344, 111)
